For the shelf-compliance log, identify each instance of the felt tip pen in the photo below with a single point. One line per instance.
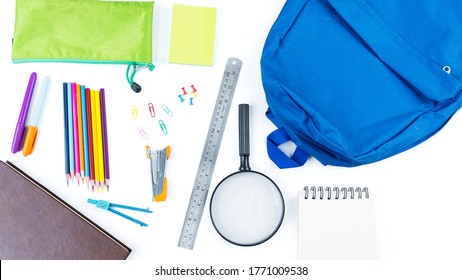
(21, 125)
(32, 129)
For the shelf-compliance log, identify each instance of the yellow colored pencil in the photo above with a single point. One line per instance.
(99, 139)
(94, 117)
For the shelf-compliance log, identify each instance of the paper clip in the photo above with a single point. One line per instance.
(108, 206)
(134, 112)
(151, 110)
(163, 126)
(167, 110)
(143, 133)
(158, 160)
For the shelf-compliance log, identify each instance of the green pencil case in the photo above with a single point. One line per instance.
(86, 31)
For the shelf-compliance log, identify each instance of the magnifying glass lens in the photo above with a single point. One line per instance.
(247, 208)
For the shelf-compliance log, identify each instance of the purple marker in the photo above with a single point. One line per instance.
(18, 138)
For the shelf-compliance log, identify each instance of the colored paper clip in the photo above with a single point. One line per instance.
(143, 133)
(163, 127)
(109, 206)
(167, 110)
(134, 112)
(158, 169)
(151, 110)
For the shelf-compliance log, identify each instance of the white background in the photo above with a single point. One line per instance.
(417, 193)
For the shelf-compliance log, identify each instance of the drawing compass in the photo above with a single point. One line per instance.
(110, 207)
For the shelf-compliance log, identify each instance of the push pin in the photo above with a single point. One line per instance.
(193, 88)
(181, 98)
(184, 91)
(193, 94)
(191, 101)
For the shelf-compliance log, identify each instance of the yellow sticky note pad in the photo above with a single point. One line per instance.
(192, 36)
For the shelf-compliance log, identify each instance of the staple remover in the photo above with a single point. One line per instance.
(158, 169)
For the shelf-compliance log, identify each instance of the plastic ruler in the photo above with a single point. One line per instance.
(209, 154)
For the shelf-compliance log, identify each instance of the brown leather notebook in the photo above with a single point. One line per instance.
(35, 224)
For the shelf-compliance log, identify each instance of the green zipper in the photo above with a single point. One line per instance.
(130, 76)
(130, 73)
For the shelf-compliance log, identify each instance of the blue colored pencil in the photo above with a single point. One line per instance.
(66, 137)
(70, 130)
(85, 133)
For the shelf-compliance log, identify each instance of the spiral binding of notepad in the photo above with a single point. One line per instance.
(336, 193)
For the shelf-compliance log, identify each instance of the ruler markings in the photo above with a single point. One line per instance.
(209, 154)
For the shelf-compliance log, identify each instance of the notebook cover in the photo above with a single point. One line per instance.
(36, 224)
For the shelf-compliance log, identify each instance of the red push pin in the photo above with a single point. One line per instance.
(193, 88)
(184, 91)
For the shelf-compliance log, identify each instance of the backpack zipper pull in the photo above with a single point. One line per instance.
(130, 74)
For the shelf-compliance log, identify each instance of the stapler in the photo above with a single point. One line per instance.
(158, 169)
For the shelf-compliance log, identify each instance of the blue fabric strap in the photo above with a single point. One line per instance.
(278, 137)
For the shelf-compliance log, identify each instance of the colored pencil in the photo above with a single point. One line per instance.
(80, 131)
(86, 138)
(85, 133)
(66, 138)
(76, 133)
(70, 132)
(105, 139)
(99, 140)
(94, 118)
(90, 139)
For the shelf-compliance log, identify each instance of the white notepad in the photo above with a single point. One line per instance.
(336, 224)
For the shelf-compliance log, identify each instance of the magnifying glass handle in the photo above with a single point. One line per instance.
(244, 142)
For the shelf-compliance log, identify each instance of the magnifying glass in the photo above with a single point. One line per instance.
(247, 207)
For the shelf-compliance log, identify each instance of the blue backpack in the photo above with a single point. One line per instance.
(352, 82)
